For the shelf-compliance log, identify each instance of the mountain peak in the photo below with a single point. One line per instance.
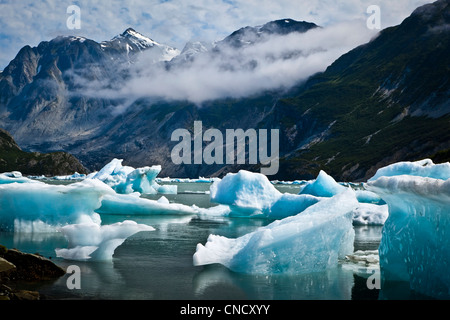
(128, 31)
(135, 38)
(249, 35)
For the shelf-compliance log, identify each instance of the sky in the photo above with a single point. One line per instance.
(175, 22)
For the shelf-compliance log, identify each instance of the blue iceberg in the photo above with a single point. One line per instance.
(91, 241)
(323, 186)
(311, 241)
(133, 204)
(421, 168)
(126, 179)
(415, 243)
(54, 205)
(250, 194)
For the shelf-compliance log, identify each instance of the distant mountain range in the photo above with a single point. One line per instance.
(384, 101)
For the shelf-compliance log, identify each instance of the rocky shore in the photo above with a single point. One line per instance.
(16, 266)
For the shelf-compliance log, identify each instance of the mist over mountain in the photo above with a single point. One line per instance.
(344, 101)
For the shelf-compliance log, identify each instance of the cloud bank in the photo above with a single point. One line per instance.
(277, 62)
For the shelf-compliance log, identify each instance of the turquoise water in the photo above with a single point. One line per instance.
(158, 264)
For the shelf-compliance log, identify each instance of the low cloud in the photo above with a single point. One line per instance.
(278, 62)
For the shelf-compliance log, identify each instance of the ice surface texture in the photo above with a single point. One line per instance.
(54, 205)
(415, 244)
(311, 241)
(422, 168)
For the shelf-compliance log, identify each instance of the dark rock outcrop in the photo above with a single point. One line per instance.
(18, 266)
(13, 158)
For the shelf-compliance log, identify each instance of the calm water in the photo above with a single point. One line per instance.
(158, 264)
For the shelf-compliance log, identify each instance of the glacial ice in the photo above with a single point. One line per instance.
(34, 206)
(126, 179)
(133, 204)
(91, 241)
(421, 168)
(415, 243)
(311, 241)
(14, 176)
(323, 186)
(250, 194)
(51, 204)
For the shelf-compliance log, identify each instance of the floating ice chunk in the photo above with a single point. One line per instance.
(421, 168)
(75, 176)
(250, 194)
(323, 186)
(415, 243)
(311, 241)
(220, 210)
(12, 177)
(125, 179)
(113, 168)
(167, 189)
(245, 190)
(91, 241)
(133, 204)
(370, 214)
(52, 204)
(363, 263)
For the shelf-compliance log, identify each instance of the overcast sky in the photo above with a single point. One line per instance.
(174, 22)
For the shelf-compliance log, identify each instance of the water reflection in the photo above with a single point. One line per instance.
(332, 284)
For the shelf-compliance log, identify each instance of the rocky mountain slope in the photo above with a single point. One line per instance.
(12, 158)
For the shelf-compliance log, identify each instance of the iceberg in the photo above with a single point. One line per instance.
(133, 204)
(126, 179)
(250, 194)
(91, 241)
(74, 176)
(311, 241)
(323, 186)
(12, 177)
(415, 243)
(421, 168)
(53, 205)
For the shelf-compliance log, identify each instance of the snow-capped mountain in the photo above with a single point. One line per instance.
(132, 41)
(250, 35)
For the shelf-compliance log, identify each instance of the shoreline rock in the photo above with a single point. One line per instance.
(25, 267)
